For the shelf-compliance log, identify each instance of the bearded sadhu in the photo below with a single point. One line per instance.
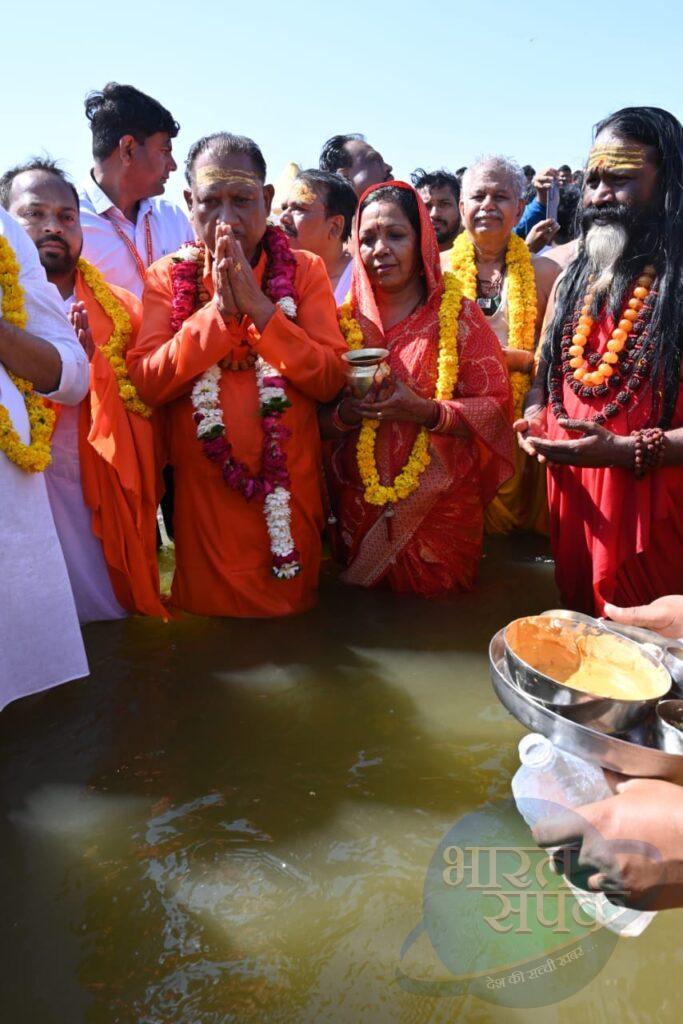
(606, 409)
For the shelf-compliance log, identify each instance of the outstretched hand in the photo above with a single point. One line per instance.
(597, 447)
(531, 426)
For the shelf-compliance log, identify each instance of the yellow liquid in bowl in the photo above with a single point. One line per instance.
(599, 664)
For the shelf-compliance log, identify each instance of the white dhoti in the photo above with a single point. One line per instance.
(40, 639)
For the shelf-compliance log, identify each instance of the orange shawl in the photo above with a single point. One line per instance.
(119, 470)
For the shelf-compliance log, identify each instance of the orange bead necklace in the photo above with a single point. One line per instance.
(582, 372)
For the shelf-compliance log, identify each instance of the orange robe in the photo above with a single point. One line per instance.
(119, 469)
(223, 562)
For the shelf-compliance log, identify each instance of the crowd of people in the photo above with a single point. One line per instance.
(530, 378)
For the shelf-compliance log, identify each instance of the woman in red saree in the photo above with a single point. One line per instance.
(428, 543)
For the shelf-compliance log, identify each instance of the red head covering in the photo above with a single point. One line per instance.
(362, 295)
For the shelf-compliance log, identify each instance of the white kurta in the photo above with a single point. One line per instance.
(83, 554)
(102, 242)
(40, 639)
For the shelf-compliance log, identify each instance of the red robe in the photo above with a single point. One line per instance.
(223, 562)
(615, 538)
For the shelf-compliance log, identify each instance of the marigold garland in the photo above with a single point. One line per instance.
(522, 301)
(35, 456)
(408, 480)
(115, 349)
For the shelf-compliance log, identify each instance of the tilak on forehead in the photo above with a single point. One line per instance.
(212, 174)
(617, 156)
(303, 193)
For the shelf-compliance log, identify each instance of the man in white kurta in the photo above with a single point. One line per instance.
(40, 639)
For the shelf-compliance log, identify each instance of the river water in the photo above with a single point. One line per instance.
(232, 820)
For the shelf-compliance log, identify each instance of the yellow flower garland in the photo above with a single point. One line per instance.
(521, 299)
(115, 349)
(35, 456)
(408, 480)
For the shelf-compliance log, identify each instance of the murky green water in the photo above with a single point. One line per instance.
(231, 821)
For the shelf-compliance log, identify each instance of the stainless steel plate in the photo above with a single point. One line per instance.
(629, 756)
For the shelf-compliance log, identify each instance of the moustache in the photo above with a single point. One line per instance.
(610, 213)
(54, 239)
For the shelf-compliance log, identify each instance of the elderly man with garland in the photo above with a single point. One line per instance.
(40, 641)
(240, 341)
(102, 481)
(511, 288)
(606, 410)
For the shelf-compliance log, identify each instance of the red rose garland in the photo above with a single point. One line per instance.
(273, 482)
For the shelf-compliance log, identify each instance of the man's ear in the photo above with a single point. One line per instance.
(268, 193)
(461, 207)
(188, 198)
(520, 208)
(127, 145)
(344, 172)
(336, 226)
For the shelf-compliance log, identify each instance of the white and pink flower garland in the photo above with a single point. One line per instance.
(273, 483)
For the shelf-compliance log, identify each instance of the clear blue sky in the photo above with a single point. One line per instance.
(429, 83)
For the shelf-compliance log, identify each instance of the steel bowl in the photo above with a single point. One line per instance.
(629, 755)
(608, 715)
(653, 642)
(669, 726)
(674, 663)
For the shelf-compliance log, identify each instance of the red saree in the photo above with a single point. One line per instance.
(432, 543)
(615, 538)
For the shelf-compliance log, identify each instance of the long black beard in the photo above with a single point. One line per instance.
(645, 247)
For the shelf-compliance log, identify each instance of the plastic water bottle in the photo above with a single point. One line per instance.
(554, 776)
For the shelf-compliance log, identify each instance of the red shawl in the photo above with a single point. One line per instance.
(432, 543)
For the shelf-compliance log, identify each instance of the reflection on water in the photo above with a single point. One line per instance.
(232, 821)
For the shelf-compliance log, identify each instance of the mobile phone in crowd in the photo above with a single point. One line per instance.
(553, 201)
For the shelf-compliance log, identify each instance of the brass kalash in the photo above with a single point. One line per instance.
(592, 689)
(365, 367)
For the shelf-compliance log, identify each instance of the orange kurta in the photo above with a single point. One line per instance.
(223, 562)
(119, 471)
